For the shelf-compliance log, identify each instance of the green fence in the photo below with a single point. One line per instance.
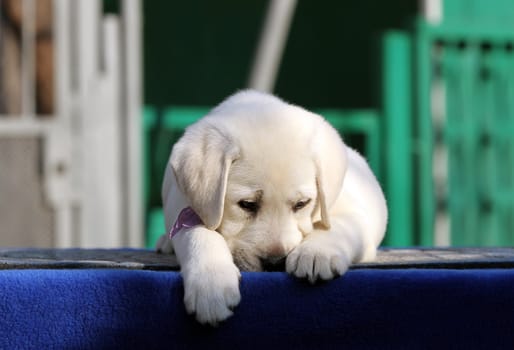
(459, 95)
(475, 68)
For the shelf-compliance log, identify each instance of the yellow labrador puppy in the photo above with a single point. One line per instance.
(258, 182)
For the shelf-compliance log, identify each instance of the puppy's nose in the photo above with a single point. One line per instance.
(276, 251)
(274, 263)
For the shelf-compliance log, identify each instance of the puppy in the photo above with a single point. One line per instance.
(259, 182)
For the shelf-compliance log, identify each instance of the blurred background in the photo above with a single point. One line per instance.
(93, 94)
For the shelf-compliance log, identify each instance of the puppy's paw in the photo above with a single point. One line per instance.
(318, 257)
(211, 291)
(164, 245)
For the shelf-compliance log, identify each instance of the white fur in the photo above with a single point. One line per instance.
(257, 148)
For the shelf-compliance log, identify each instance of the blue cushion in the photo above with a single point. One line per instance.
(392, 308)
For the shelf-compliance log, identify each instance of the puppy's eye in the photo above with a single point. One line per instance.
(301, 204)
(248, 206)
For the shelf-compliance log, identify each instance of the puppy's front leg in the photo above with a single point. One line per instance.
(326, 254)
(211, 279)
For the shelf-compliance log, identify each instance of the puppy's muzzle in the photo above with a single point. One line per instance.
(274, 263)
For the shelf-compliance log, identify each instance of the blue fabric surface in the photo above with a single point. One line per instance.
(365, 309)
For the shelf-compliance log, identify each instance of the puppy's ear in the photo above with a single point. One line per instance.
(322, 213)
(329, 153)
(201, 161)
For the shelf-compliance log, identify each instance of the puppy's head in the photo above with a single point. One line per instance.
(262, 173)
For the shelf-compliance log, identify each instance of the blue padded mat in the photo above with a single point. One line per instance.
(371, 307)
